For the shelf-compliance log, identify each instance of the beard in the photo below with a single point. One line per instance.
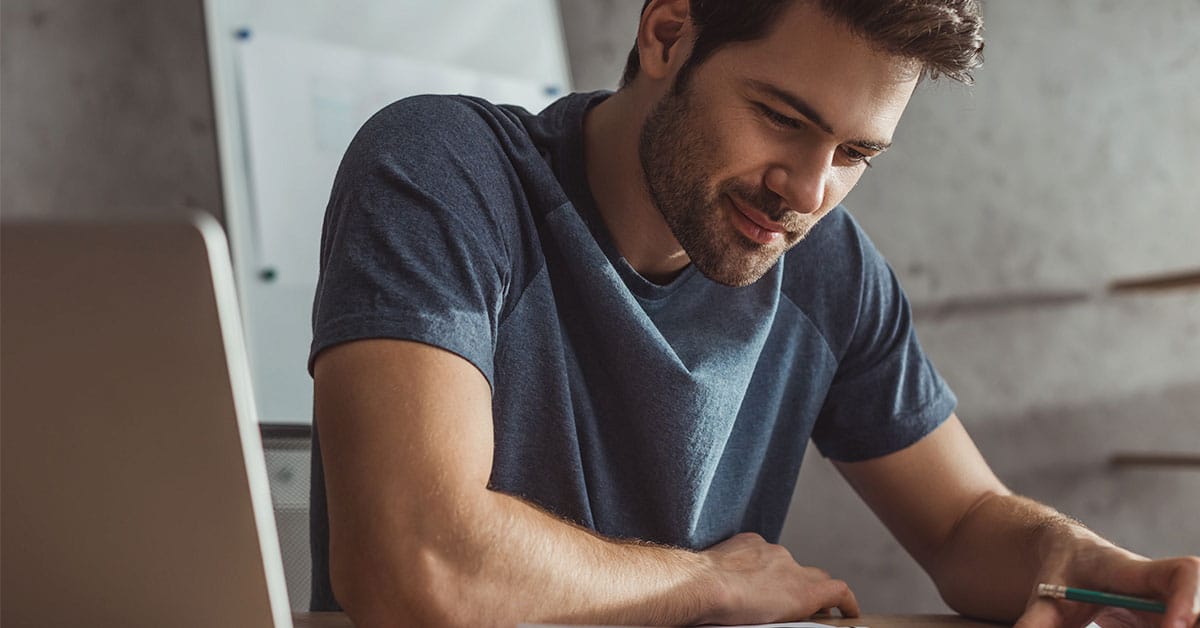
(677, 159)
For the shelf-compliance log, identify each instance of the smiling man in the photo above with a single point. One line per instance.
(566, 364)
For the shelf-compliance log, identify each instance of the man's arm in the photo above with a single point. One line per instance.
(986, 549)
(416, 538)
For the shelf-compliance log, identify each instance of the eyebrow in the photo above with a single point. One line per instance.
(806, 110)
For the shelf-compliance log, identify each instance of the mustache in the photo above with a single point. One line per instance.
(766, 201)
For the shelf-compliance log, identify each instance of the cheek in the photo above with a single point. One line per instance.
(839, 185)
(745, 152)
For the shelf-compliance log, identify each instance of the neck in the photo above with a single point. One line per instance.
(618, 185)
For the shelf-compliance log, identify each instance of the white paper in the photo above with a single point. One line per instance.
(794, 624)
(303, 101)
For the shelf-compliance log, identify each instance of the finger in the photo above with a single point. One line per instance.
(816, 574)
(837, 594)
(1174, 580)
(1110, 617)
(849, 608)
(1183, 601)
(1041, 614)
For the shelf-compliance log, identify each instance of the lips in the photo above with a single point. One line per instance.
(755, 224)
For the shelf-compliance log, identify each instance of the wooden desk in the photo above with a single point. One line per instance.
(339, 620)
(321, 620)
(905, 621)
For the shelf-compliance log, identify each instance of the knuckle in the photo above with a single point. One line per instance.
(835, 593)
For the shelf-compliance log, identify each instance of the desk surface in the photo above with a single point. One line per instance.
(339, 620)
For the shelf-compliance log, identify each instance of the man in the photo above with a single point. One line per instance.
(564, 370)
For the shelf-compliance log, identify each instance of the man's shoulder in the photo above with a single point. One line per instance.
(442, 124)
(459, 149)
(446, 109)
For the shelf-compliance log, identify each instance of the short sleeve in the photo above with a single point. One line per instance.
(413, 243)
(886, 393)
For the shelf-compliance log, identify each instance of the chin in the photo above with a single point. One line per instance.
(724, 255)
(733, 282)
(738, 271)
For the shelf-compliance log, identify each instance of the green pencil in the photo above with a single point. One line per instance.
(1097, 597)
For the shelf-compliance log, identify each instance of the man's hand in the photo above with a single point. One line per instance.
(988, 549)
(1087, 562)
(763, 583)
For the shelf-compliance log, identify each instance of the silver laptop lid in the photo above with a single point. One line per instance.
(134, 487)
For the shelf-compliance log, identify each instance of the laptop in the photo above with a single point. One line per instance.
(133, 480)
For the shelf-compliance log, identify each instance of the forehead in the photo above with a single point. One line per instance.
(836, 71)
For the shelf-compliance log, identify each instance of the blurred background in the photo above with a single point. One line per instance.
(1044, 223)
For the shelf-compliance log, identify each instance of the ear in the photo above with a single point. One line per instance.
(664, 37)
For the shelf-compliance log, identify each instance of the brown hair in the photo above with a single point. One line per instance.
(945, 37)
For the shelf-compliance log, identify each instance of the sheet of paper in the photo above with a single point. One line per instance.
(794, 624)
(806, 624)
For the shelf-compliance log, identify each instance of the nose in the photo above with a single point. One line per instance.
(801, 181)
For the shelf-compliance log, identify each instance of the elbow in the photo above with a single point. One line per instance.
(417, 588)
(958, 569)
(964, 596)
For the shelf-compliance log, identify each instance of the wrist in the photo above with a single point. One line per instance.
(1070, 551)
(713, 596)
(1058, 535)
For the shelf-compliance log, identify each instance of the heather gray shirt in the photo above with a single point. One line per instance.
(673, 413)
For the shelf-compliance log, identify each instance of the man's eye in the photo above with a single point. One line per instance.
(857, 157)
(778, 118)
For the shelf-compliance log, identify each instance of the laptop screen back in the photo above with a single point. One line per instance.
(134, 489)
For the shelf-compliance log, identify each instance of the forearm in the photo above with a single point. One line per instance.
(536, 567)
(989, 565)
(503, 561)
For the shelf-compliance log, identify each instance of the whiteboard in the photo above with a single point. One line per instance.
(292, 83)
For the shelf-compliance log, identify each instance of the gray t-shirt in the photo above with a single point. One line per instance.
(676, 413)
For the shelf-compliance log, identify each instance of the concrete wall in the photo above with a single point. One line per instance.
(106, 109)
(1005, 210)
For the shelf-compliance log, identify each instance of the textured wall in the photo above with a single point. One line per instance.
(106, 109)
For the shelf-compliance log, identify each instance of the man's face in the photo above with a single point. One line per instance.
(766, 137)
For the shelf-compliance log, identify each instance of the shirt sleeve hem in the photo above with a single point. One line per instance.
(441, 333)
(906, 430)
